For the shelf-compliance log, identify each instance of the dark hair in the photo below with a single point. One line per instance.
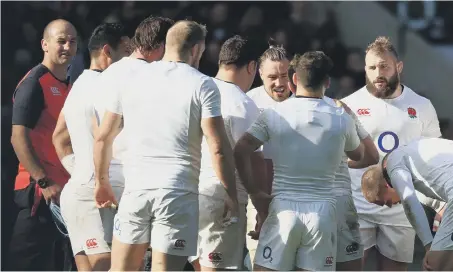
(274, 53)
(292, 68)
(382, 45)
(151, 33)
(238, 51)
(312, 69)
(106, 33)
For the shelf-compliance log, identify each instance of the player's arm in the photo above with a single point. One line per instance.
(353, 147)
(371, 154)
(402, 182)
(435, 204)
(430, 123)
(213, 129)
(27, 108)
(62, 143)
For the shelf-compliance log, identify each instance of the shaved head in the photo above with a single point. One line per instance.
(373, 183)
(58, 26)
(183, 36)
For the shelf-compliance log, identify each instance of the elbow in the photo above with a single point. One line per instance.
(374, 157)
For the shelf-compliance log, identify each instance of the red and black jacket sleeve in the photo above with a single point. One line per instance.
(28, 103)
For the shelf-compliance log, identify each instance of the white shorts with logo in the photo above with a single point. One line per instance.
(166, 219)
(89, 228)
(349, 245)
(394, 242)
(220, 246)
(298, 234)
(443, 240)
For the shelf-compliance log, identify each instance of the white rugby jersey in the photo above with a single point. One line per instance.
(114, 77)
(424, 165)
(342, 182)
(263, 101)
(390, 123)
(238, 112)
(78, 111)
(162, 106)
(308, 138)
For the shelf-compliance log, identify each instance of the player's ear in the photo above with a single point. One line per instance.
(251, 67)
(327, 83)
(399, 67)
(107, 51)
(294, 79)
(44, 45)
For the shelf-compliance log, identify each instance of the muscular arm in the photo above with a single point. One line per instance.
(103, 142)
(243, 151)
(221, 153)
(260, 175)
(402, 183)
(25, 152)
(62, 143)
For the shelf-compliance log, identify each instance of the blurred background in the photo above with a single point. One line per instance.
(422, 31)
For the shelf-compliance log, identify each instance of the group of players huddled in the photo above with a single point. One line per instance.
(162, 157)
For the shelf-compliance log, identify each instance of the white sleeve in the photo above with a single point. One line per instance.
(402, 182)
(360, 129)
(210, 99)
(352, 138)
(111, 101)
(260, 128)
(243, 118)
(430, 122)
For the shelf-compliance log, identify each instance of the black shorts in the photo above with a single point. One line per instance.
(35, 242)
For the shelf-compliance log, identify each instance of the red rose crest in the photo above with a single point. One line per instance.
(412, 112)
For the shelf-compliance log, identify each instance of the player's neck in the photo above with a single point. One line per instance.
(97, 64)
(231, 77)
(149, 57)
(301, 92)
(397, 93)
(58, 70)
(173, 57)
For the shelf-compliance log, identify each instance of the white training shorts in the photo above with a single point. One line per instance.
(298, 234)
(166, 219)
(220, 246)
(394, 242)
(443, 240)
(89, 228)
(349, 244)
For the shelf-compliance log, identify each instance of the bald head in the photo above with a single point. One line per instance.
(58, 26)
(183, 36)
(373, 183)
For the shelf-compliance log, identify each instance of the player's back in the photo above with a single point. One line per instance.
(78, 111)
(116, 75)
(162, 107)
(307, 138)
(238, 113)
(430, 161)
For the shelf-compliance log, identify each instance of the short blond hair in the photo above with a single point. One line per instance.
(184, 35)
(373, 183)
(382, 45)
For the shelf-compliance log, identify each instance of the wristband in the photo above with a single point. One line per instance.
(68, 162)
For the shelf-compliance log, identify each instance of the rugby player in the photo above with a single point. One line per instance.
(167, 106)
(393, 114)
(219, 246)
(300, 230)
(426, 166)
(349, 244)
(90, 229)
(273, 71)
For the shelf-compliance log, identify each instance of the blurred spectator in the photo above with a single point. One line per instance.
(355, 67)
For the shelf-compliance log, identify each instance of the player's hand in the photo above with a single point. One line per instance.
(255, 234)
(261, 201)
(438, 219)
(425, 265)
(52, 193)
(230, 212)
(104, 196)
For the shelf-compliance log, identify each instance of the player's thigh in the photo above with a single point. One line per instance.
(349, 243)
(220, 246)
(318, 245)
(175, 223)
(280, 237)
(368, 233)
(441, 255)
(396, 243)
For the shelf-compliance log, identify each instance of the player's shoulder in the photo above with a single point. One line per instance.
(356, 97)
(412, 97)
(255, 92)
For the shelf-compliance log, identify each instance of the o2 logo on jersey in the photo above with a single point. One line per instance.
(386, 134)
